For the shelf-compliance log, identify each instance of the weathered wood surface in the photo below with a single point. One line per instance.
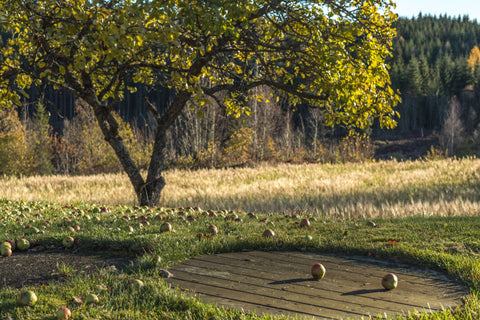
(280, 283)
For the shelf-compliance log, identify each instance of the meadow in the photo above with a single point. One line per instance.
(429, 208)
(382, 189)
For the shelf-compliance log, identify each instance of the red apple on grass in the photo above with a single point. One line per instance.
(305, 223)
(5, 251)
(318, 271)
(389, 281)
(27, 298)
(268, 233)
(63, 313)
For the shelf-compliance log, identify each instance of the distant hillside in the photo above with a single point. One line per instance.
(434, 60)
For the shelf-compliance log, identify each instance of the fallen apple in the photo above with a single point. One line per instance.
(27, 298)
(166, 227)
(308, 237)
(91, 298)
(137, 283)
(63, 313)
(6, 244)
(13, 245)
(305, 223)
(389, 281)
(268, 233)
(68, 242)
(23, 244)
(213, 229)
(5, 251)
(318, 271)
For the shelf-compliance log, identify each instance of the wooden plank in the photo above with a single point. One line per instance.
(294, 302)
(310, 290)
(338, 268)
(280, 283)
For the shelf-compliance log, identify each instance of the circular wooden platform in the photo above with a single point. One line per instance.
(280, 283)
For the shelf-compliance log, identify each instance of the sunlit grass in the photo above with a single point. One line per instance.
(446, 244)
(363, 190)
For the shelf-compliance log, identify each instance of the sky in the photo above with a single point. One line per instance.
(410, 8)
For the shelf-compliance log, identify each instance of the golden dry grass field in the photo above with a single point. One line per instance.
(339, 191)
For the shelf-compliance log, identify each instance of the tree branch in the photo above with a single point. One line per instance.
(265, 82)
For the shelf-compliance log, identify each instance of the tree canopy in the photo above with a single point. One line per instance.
(327, 54)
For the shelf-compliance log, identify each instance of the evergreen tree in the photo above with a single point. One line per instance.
(462, 76)
(40, 141)
(439, 55)
(414, 75)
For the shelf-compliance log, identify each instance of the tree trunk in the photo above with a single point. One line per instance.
(149, 194)
(109, 126)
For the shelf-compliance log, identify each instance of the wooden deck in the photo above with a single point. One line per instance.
(280, 283)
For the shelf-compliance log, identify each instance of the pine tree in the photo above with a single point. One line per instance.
(415, 77)
(40, 141)
(462, 76)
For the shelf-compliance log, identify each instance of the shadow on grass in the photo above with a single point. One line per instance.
(363, 202)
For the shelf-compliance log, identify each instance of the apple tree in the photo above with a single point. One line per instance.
(329, 54)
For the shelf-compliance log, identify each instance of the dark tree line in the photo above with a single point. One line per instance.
(434, 60)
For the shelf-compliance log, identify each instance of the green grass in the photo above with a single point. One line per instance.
(448, 244)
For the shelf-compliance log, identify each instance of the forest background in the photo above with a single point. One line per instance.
(435, 66)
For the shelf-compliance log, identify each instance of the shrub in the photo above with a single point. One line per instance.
(15, 156)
